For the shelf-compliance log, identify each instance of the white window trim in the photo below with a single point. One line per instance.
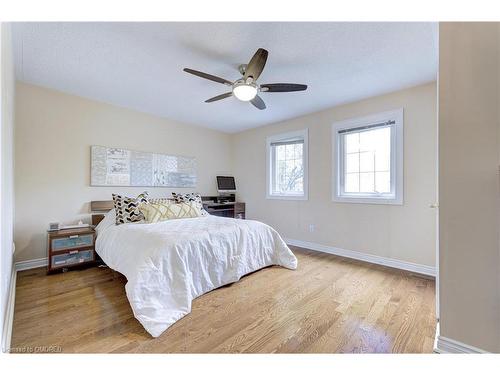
(397, 162)
(269, 168)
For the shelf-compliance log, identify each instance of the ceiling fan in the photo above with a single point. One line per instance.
(246, 88)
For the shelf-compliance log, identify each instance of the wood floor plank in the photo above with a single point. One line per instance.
(329, 304)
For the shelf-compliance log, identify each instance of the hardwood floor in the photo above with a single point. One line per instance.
(328, 305)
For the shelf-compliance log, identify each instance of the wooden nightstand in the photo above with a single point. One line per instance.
(70, 248)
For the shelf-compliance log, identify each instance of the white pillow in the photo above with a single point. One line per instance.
(109, 220)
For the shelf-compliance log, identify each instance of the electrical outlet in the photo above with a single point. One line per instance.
(311, 228)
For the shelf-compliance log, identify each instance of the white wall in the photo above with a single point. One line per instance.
(54, 132)
(469, 184)
(406, 232)
(6, 167)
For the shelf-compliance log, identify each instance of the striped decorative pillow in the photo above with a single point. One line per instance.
(161, 200)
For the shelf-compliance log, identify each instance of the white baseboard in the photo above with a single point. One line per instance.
(9, 313)
(389, 262)
(11, 301)
(29, 264)
(443, 345)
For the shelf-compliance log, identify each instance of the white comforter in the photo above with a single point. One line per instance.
(168, 264)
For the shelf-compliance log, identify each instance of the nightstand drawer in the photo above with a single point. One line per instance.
(72, 258)
(70, 242)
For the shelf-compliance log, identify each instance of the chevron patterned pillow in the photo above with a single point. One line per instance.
(190, 197)
(155, 212)
(127, 209)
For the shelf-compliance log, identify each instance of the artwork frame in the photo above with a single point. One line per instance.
(113, 166)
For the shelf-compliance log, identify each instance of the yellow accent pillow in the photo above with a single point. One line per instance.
(155, 212)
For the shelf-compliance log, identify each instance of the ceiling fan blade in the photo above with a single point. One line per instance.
(258, 102)
(208, 76)
(256, 64)
(282, 87)
(219, 97)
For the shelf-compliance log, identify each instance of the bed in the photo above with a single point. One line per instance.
(170, 263)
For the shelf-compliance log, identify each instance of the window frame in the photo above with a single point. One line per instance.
(397, 161)
(304, 133)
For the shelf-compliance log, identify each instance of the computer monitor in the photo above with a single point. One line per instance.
(226, 184)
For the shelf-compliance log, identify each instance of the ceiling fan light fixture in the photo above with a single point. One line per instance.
(245, 92)
(247, 88)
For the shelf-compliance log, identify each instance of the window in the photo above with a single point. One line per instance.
(368, 159)
(287, 166)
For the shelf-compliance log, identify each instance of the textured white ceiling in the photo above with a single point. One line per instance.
(139, 65)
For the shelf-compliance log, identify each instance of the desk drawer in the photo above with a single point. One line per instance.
(72, 258)
(70, 242)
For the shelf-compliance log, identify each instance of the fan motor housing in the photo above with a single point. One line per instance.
(242, 69)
